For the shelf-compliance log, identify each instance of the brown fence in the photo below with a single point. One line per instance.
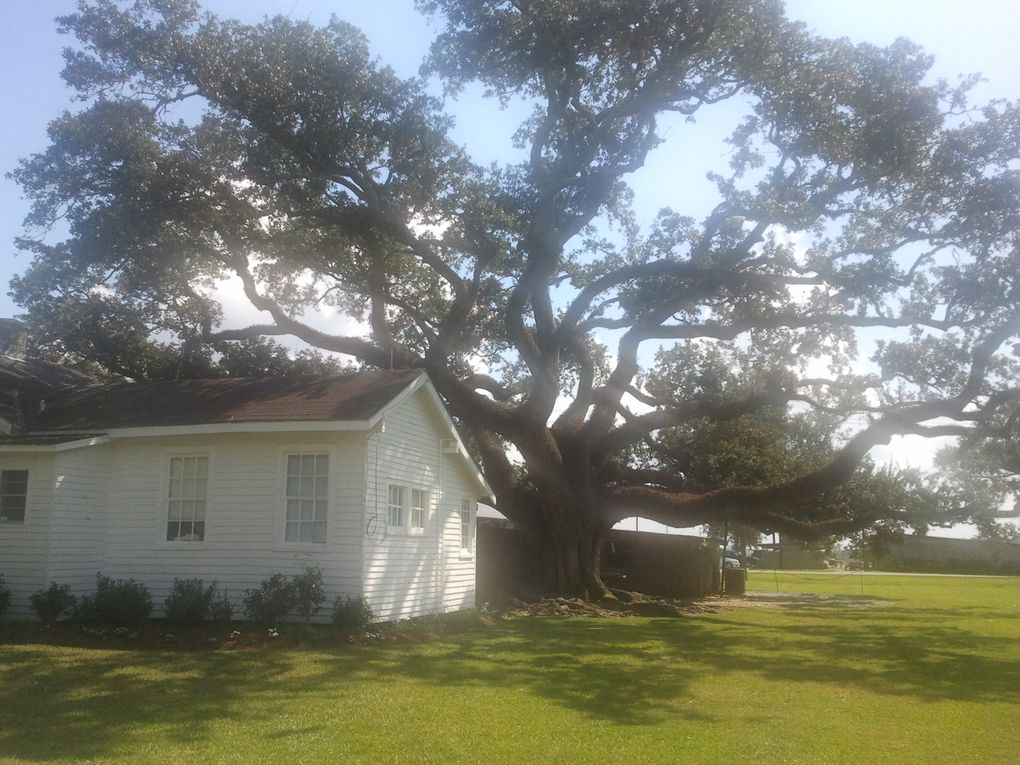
(657, 564)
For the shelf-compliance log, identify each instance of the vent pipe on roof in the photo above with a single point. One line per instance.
(42, 405)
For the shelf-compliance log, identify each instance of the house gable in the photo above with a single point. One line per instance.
(99, 497)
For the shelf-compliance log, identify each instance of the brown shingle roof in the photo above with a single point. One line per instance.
(23, 380)
(226, 400)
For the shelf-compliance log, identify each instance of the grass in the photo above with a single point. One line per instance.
(932, 676)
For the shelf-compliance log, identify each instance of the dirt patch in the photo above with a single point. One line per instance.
(637, 605)
(644, 605)
(802, 600)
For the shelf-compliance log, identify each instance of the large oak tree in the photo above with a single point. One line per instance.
(283, 155)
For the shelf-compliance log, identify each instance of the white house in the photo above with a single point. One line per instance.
(234, 480)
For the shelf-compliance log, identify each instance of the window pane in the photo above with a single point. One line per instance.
(319, 531)
(307, 488)
(188, 472)
(14, 482)
(14, 505)
(394, 516)
(186, 498)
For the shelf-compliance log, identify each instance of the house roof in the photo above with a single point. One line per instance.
(24, 379)
(46, 439)
(216, 401)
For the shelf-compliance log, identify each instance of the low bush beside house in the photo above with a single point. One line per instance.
(221, 609)
(190, 601)
(123, 602)
(5, 596)
(352, 614)
(50, 604)
(308, 592)
(273, 600)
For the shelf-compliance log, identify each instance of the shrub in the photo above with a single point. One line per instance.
(5, 596)
(273, 600)
(221, 609)
(308, 593)
(190, 601)
(352, 614)
(50, 603)
(116, 601)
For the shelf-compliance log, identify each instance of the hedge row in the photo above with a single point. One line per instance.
(126, 602)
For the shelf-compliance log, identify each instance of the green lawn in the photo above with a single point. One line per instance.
(931, 677)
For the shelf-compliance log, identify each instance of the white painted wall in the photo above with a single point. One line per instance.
(409, 574)
(77, 532)
(23, 545)
(401, 571)
(245, 514)
(458, 564)
(103, 509)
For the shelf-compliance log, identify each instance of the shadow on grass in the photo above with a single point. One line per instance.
(90, 703)
(636, 672)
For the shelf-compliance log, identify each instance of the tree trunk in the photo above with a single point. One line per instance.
(571, 552)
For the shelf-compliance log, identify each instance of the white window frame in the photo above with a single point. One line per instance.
(399, 507)
(320, 498)
(407, 508)
(168, 499)
(419, 507)
(466, 515)
(24, 511)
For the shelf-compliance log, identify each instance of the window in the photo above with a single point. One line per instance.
(466, 535)
(395, 507)
(307, 497)
(419, 508)
(185, 510)
(13, 495)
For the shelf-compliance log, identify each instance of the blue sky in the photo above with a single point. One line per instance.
(965, 37)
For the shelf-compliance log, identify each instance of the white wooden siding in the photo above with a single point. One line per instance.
(244, 514)
(103, 509)
(77, 534)
(459, 567)
(409, 575)
(23, 545)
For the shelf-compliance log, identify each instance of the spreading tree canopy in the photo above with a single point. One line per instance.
(858, 196)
